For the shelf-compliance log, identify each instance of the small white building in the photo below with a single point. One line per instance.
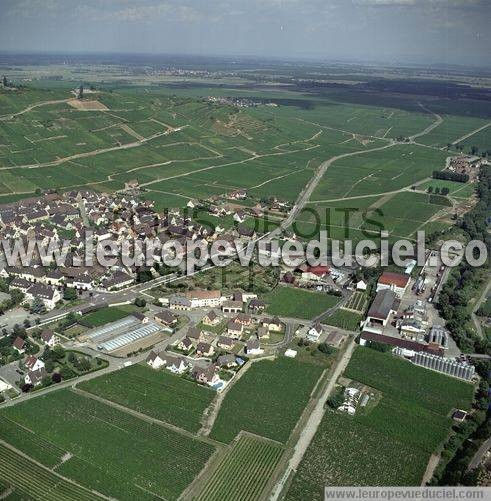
(314, 332)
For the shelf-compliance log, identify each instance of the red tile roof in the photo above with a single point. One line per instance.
(389, 278)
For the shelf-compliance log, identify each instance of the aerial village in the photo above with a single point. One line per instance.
(203, 334)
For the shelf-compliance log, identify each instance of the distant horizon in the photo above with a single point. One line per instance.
(350, 61)
(443, 32)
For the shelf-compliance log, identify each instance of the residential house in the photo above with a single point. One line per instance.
(235, 329)
(257, 306)
(165, 318)
(227, 361)
(33, 363)
(315, 332)
(208, 375)
(232, 306)
(179, 303)
(243, 319)
(273, 324)
(196, 334)
(263, 332)
(226, 343)
(204, 350)
(204, 298)
(19, 345)
(49, 338)
(253, 347)
(35, 377)
(155, 360)
(185, 345)
(211, 319)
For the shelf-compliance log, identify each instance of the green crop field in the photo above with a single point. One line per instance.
(103, 448)
(181, 147)
(244, 472)
(297, 303)
(158, 394)
(28, 480)
(344, 319)
(267, 400)
(389, 444)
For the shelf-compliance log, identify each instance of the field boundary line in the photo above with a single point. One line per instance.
(145, 417)
(52, 472)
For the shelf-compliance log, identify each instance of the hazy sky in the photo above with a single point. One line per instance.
(446, 31)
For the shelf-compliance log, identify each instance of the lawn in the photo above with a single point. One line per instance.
(112, 452)
(267, 400)
(107, 315)
(389, 444)
(158, 394)
(244, 472)
(298, 303)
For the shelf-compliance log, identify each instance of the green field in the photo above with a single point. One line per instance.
(267, 400)
(107, 315)
(244, 472)
(181, 147)
(298, 303)
(28, 480)
(344, 319)
(158, 394)
(389, 444)
(110, 451)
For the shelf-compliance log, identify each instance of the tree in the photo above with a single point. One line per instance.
(38, 307)
(444, 191)
(437, 190)
(325, 348)
(70, 294)
(140, 302)
(430, 189)
(56, 377)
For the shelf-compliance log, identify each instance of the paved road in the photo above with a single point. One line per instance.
(478, 456)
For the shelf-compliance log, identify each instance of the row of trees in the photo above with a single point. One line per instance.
(437, 191)
(449, 175)
(466, 438)
(464, 279)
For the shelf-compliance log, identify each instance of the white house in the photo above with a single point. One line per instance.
(155, 361)
(361, 286)
(49, 296)
(35, 377)
(204, 298)
(33, 363)
(314, 332)
(49, 338)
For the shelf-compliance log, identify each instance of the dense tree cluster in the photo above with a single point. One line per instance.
(450, 176)
(464, 279)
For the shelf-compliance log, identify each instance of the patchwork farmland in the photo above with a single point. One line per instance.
(389, 444)
(267, 400)
(93, 444)
(182, 148)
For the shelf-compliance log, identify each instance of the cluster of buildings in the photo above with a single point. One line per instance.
(67, 218)
(220, 341)
(408, 327)
(35, 367)
(238, 102)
